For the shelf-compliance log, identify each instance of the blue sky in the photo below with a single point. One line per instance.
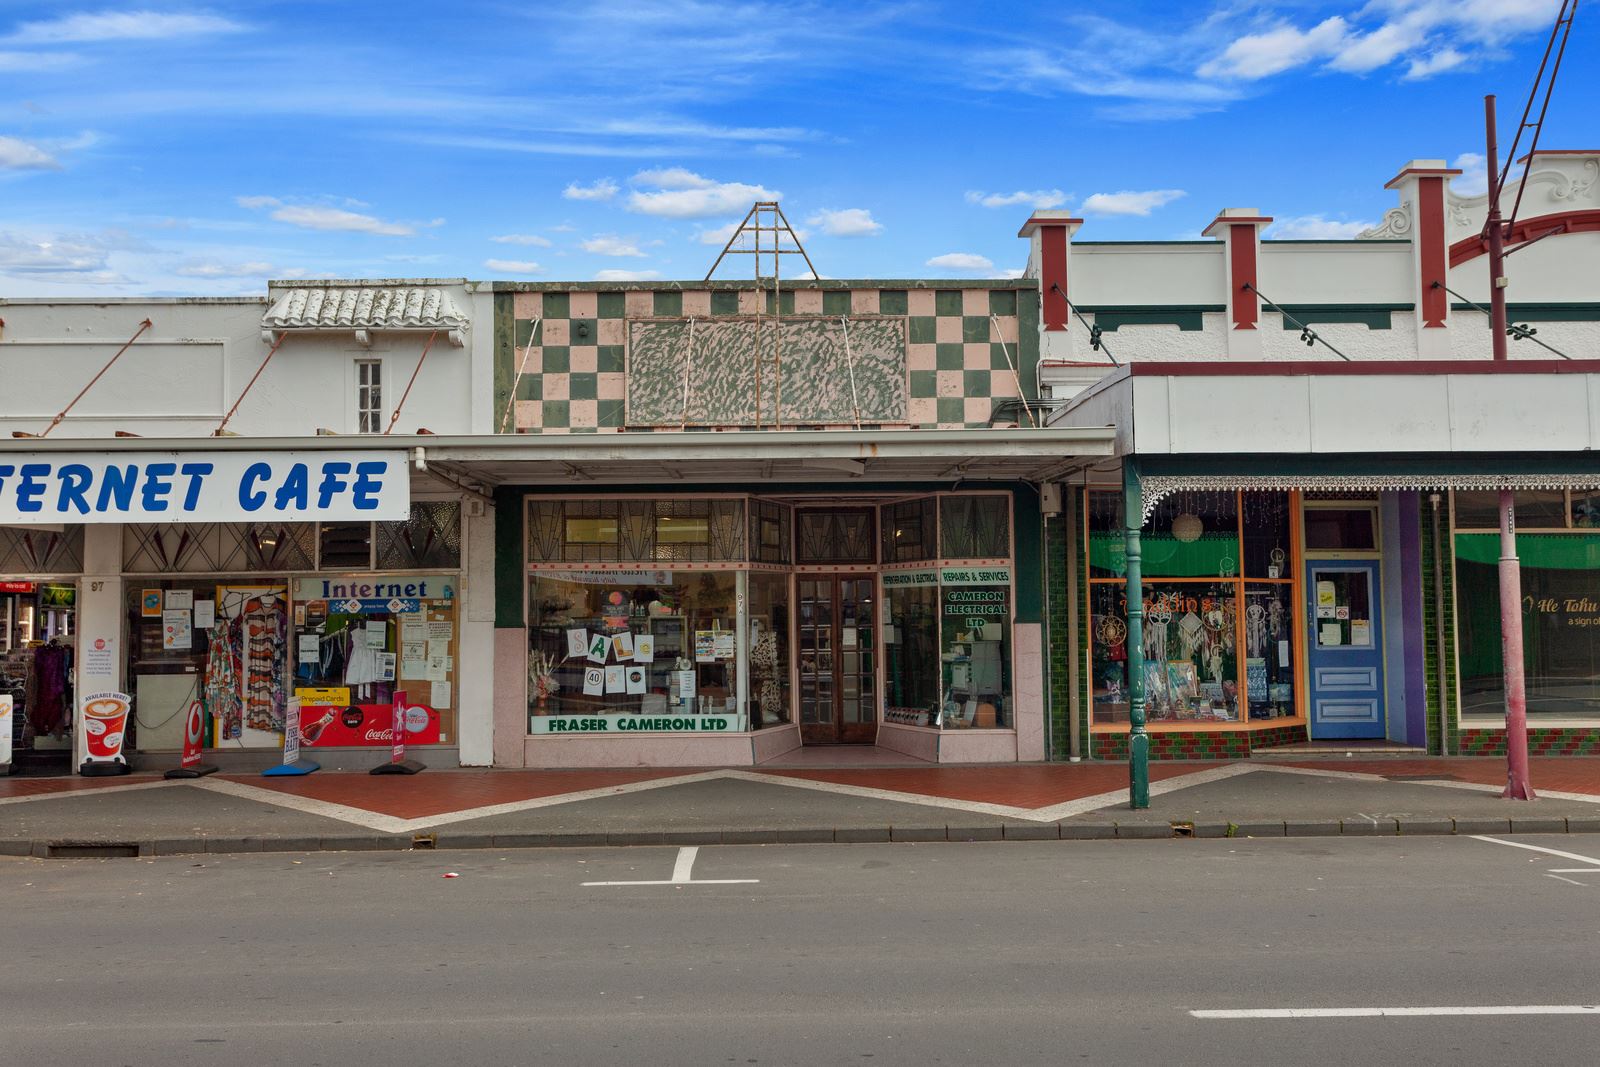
(155, 148)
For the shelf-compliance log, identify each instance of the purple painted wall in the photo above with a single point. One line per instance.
(1416, 694)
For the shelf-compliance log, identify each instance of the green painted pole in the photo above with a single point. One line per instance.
(1138, 738)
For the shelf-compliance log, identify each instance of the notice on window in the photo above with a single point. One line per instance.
(1327, 597)
(205, 614)
(443, 694)
(724, 644)
(438, 670)
(683, 685)
(644, 648)
(180, 598)
(1283, 653)
(1360, 632)
(310, 648)
(441, 631)
(413, 630)
(375, 635)
(594, 681)
(177, 632)
(577, 643)
(847, 637)
(635, 681)
(622, 644)
(386, 666)
(1331, 634)
(705, 646)
(616, 678)
(599, 648)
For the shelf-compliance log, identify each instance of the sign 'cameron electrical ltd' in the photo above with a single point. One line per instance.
(197, 486)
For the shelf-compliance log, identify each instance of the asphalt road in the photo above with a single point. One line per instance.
(1008, 953)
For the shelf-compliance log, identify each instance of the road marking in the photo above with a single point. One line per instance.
(1569, 881)
(682, 873)
(1537, 848)
(1384, 1013)
(1575, 870)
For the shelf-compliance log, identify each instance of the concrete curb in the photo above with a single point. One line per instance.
(63, 848)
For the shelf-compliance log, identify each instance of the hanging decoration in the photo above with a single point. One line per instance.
(1188, 527)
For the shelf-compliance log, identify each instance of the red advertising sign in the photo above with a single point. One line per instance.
(105, 718)
(367, 725)
(194, 728)
(397, 731)
(16, 587)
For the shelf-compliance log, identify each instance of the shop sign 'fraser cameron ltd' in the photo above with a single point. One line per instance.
(88, 487)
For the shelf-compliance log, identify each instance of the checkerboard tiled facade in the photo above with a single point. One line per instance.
(565, 351)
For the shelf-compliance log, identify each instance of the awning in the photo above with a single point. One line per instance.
(793, 458)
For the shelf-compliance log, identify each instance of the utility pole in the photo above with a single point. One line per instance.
(1517, 785)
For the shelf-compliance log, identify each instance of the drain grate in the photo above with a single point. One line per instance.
(92, 850)
(1183, 829)
(425, 841)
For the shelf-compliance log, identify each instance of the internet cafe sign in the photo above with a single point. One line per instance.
(86, 487)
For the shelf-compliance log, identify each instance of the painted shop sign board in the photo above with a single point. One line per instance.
(80, 488)
(629, 724)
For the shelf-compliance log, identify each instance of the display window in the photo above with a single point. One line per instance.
(363, 641)
(657, 648)
(38, 646)
(1558, 550)
(769, 640)
(911, 643)
(1219, 589)
(975, 647)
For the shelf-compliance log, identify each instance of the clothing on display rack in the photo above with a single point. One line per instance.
(265, 631)
(48, 693)
(222, 698)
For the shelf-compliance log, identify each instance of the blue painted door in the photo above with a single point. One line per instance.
(1346, 639)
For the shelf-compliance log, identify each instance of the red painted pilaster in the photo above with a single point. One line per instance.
(1053, 276)
(1431, 259)
(1243, 302)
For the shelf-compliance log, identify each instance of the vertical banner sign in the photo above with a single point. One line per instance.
(194, 725)
(5, 730)
(397, 750)
(291, 731)
(105, 721)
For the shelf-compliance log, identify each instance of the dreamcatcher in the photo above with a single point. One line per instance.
(1255, 630)
(1217, 639)
(1111, 632)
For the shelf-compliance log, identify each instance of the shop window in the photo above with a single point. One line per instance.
(1560, 625)
(344, 546)
(1108, 557)
(769, 532)
(975, 650)
(659, 644)
(25, 551)
(363, 642)
(1108, 643)
(369, 396)
(975, 526)
(911, 647)
(1537, 509)
(910, 530)
(768, 654)
(1341, 529)
(222, 641)
(836, 535)
(430, 538)
(1267, 518)
(1269, 651)
(1191, 670)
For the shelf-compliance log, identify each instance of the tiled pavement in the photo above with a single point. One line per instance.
(555, 807)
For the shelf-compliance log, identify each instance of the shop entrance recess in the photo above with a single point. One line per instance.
(838, 639)
(1346, 642)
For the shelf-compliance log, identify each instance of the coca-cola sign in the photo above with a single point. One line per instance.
(365, 725)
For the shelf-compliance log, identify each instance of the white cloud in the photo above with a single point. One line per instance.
(513, 266)
(69, 256)
(36, 61)
(121, 26)
(625, 275)
(671, 178)
(1315, 228)
(1429, 36)
(1260, 55)
(966, 261)
(521, 239)
(1041, 199)
(1128, 202)
(213, 269)
(1474, 179)
(682, 194)
(314, 217)
(600, 189)
(21, 155)
(609, 244)
(1012, 272)
(846, 222)
(718, 236)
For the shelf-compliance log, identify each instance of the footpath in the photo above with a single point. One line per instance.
(502, 809)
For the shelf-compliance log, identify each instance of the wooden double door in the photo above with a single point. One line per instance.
(837, 631)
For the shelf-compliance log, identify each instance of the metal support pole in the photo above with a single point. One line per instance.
(1138, 739)
(1518, 786)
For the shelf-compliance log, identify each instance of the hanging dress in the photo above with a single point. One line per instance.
(222, 680)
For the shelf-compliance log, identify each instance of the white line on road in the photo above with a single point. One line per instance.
(1575, 870)
(1569, 881)
(1380, 1013)
(682, 871)
(1537, 848)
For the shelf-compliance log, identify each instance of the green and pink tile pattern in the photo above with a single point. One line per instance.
(567, 351)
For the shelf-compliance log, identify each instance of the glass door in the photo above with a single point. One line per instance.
(838, 667)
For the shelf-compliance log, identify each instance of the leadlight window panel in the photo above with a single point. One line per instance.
(546, 521)
(24, 551)
(975, 526)
(837, 535)
(345, 546)
(910, 530)
(430, 539)
(769, 532)
(589, 531)
(198, 548)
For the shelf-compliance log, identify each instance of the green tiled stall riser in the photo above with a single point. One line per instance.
(1542, 741)
(1176, 745)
